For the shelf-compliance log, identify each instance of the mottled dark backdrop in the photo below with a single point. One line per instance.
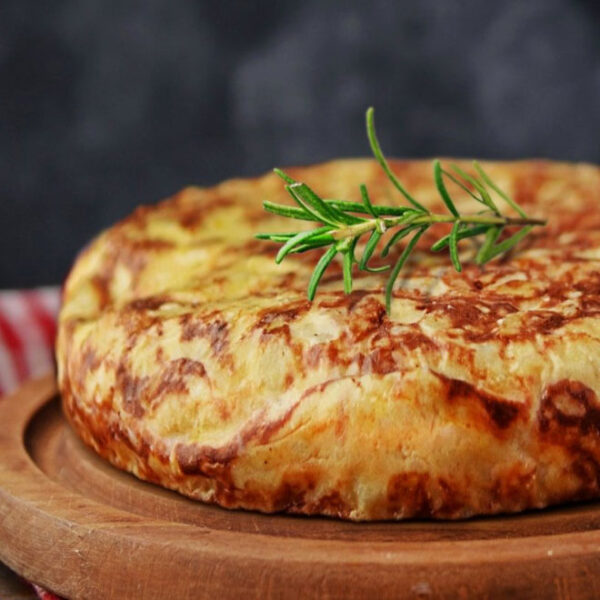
(105, 104)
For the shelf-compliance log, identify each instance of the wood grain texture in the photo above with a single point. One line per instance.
(79, 527)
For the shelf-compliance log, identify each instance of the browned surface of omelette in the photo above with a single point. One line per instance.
(188, 357)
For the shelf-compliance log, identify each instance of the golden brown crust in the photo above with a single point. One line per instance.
(187, 357)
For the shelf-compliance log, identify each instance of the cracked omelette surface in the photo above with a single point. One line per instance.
(189, 358)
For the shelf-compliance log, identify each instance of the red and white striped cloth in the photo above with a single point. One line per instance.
(27, 332)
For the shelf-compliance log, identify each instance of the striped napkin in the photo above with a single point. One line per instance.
(27, 332)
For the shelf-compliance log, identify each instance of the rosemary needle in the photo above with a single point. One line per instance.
(343, 223)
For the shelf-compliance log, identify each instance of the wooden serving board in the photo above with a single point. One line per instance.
(74, 524)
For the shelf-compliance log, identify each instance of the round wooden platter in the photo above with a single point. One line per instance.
(74, 524)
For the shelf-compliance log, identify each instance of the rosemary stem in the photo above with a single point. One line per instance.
(351, 231)
(342, 228)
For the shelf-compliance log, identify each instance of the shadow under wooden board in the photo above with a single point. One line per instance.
(76, 525)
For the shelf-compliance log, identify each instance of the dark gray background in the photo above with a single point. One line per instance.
(106, 104)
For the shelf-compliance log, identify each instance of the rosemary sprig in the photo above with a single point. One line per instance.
(344, 223)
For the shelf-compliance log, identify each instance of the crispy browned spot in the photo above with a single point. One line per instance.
(380, 361)
(90, 360)
(192, 216)
(413, 339)
(202, 460)
(410, 492)
(101, 283)
(336, 352)
(340, 299)
(217, 331)
(418, 494)
(173, 377)
(591, 285)
(341, 422)
(281, 314)
(282, 330)
(313, 355)
(370, 317)
(133, 389)
(293, 489)
(275, 322)
(569, 416)
(148, 303)
(476, 319)
(289, 379)
(569, 409)
(545, 322)
(513, 487)
(500, 412)
(331, 504)
(134, 254)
